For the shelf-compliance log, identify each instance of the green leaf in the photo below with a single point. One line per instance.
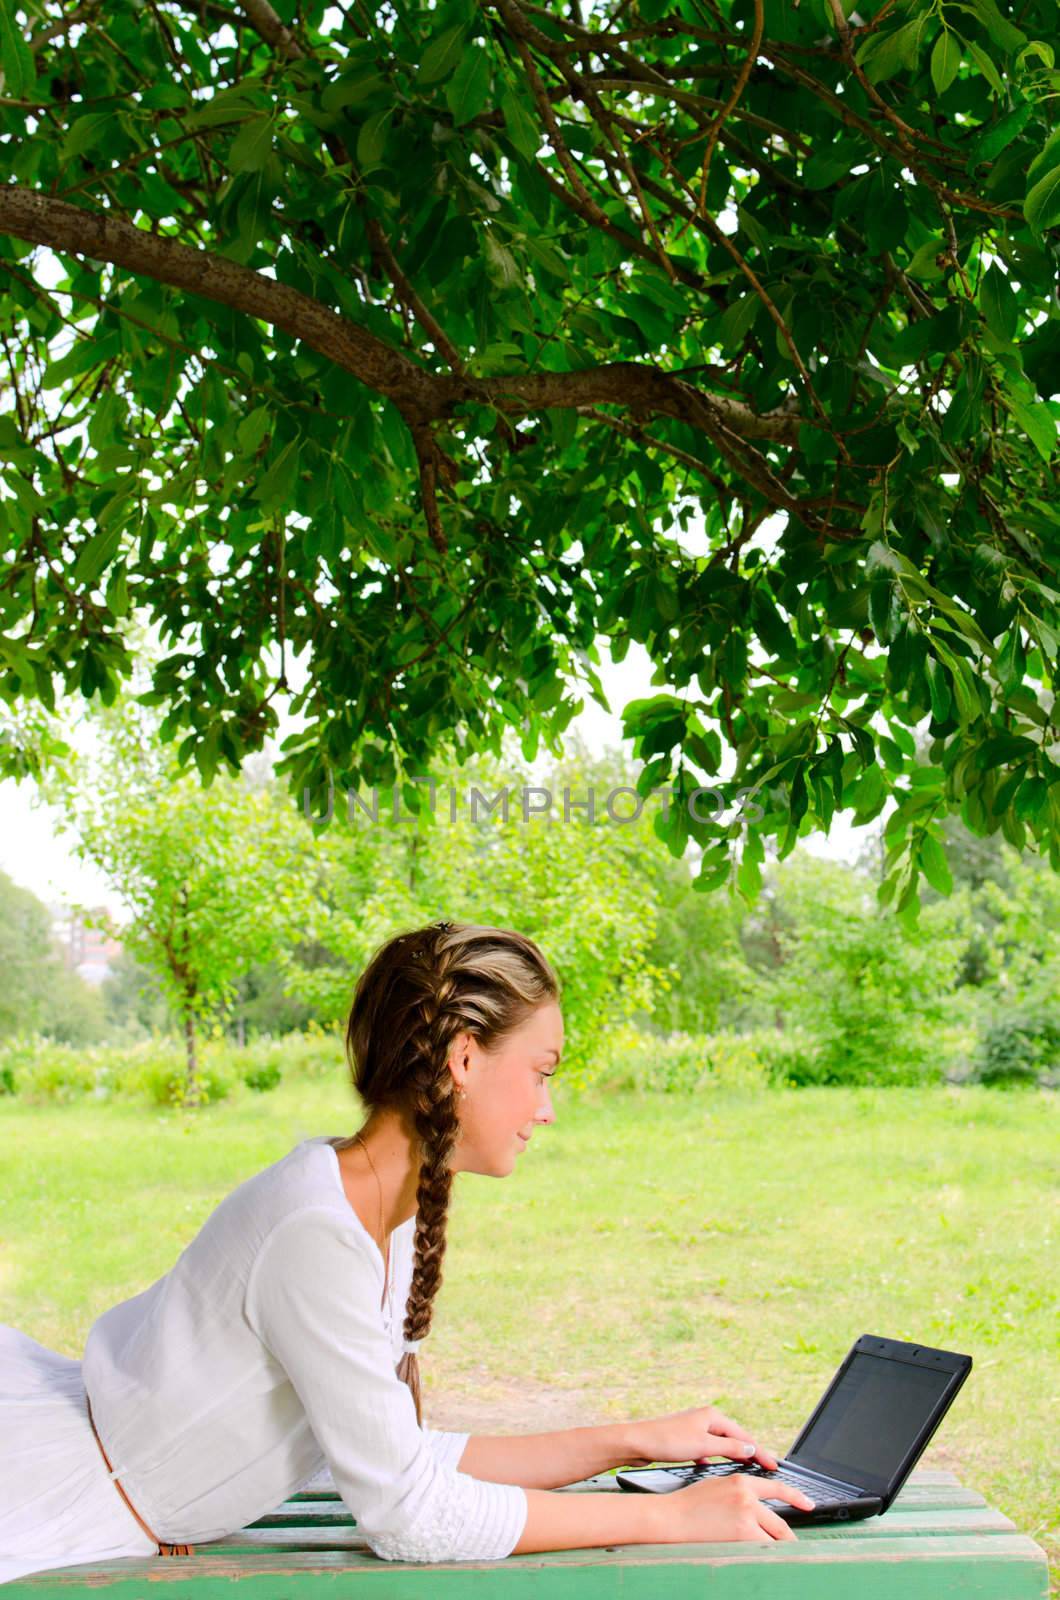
(1047, 158)
(96, 554)
(500, 263)
(85, 132)
(1037, 422)
(986, 66)
(992, 141)
(252, 430)
(371, 140)
(251, 146)
(276, 485)
(354, 89)
(469, 89)
(441, 55)
(1040, 48)
(1002, 32)
(736, 321)
(523, 131)
(16, 57)
(885, 610)
(931, 858)
(945, 59)
(939, 689)
(998, 303)
(1010, 663)
(968, 707)
(1042, 205)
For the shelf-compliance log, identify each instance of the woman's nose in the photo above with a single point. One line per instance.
(545, 1112)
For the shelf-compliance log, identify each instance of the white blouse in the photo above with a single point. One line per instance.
(264, 1354)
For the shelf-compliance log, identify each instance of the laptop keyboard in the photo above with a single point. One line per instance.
(819, 1493)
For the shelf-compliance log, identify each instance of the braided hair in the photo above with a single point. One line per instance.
(418, 993)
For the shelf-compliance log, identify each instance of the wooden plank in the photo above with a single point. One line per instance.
(997, 1567)
(918, 1525)
(316, 1509)
(919, 1521)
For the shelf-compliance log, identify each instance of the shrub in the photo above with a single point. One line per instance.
(790, 1058)
(51, 1072)
(680, 1064)
(161, 1079)
(262, 1078)
(1021, 1048)
(153, 1069)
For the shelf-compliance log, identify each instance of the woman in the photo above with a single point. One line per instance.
(269, 1350)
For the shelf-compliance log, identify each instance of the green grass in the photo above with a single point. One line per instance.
(651, 1251)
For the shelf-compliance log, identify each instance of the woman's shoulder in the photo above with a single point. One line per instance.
(306, 1180)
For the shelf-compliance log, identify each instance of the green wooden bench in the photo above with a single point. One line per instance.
(938, 1542)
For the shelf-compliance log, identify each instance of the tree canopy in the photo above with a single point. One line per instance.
(431, 344)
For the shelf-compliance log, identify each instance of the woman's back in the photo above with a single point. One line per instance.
(199, 1420)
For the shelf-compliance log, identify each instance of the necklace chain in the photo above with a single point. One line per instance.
(384, 1247)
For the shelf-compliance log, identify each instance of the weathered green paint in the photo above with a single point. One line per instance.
(939, 1542)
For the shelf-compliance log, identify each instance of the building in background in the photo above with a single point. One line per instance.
(87, 950)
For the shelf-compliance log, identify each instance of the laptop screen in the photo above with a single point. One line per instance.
(871, 1420)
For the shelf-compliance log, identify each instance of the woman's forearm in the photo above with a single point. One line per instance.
(586, 1521)
(549, 1460)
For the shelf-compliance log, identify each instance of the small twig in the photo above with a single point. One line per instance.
(732, 101)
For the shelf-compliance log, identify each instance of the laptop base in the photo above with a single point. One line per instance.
(665, 1480)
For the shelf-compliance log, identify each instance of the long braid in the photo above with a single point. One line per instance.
(420, 991)
(432, 1104)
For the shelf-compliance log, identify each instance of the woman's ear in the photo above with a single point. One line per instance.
(460, 1061)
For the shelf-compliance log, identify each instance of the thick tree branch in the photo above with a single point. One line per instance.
(422, 397)
(25, 214)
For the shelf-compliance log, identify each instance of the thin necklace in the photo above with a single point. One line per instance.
(384, 1243)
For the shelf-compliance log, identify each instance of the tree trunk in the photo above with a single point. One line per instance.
(191, 1067)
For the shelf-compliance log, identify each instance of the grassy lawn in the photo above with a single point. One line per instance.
(650, 1253)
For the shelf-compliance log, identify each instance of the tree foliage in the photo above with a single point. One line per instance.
(38, 995)
(432, 343)
(213, 882)
(583, 889)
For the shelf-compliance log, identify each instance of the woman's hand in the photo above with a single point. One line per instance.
(732, 1508)
(695, 1435)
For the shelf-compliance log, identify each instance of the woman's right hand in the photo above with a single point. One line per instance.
(716, 1510)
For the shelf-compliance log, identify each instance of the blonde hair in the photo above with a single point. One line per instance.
(421, 990)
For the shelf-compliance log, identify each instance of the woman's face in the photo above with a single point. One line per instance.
(506, 1093)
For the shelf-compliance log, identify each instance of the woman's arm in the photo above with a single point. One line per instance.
(716, 1509)
(549, 1460)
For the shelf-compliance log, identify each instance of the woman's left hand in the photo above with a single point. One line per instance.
(696, 1435)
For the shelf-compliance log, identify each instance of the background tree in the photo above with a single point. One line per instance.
(213, 880)
(37, 992)
(872, 1002)
(407, 339)
(578, 888)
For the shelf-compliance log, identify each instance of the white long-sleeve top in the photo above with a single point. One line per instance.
(263, 1354)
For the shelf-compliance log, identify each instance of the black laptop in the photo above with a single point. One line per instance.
(867, 1433)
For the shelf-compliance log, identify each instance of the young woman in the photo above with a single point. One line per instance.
(285, 1337)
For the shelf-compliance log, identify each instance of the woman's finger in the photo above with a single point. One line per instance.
(775, 1526)
(720, 1444)
(726, 1426)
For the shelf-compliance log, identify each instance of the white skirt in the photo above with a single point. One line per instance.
(58, 1506)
